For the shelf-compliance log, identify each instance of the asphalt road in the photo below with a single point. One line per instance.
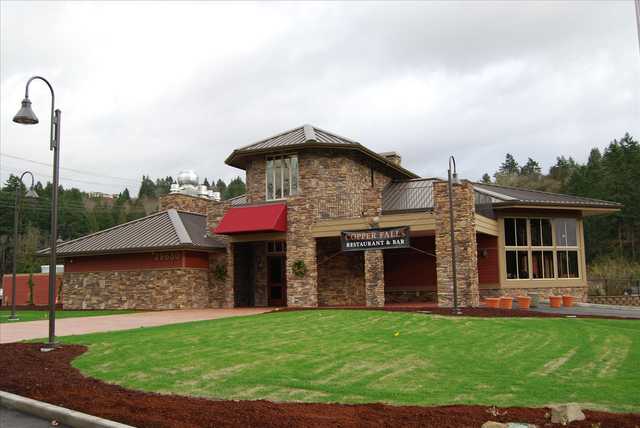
(13, 419)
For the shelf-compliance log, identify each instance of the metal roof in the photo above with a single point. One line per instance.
(508, 196)
(417, 195)
(308, 136)
(168, 229)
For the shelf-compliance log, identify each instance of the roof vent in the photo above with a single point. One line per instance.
(188, 183)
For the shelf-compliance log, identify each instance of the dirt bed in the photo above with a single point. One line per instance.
(26, 371)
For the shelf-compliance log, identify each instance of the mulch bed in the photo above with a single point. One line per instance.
(26, 371)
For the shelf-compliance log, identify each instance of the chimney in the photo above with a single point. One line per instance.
(393, 157)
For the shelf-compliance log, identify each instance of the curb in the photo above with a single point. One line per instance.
(50, 412)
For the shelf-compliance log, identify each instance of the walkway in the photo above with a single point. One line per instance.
(73, 326)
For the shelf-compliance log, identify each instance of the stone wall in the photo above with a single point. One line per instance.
(466, 248)
(340, 276)
(301, 245)
(615, 300)
(374, 278)
(144, 289)
(260, 255)
(217, 286)
(580, 293)
(178, 201)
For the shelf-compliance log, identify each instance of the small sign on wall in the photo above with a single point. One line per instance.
(375, 239)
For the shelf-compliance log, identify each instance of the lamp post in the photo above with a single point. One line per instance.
(453, 179)
(26, 116)
(16, 214)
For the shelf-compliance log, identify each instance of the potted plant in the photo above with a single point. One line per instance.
(506, 302)
(524, 302)
(567, 301)
(492, 302)
(555, 301)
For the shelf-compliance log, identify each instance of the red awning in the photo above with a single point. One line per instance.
(252, 219)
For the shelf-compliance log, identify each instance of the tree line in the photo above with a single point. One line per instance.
(612, 174)
(79, 213)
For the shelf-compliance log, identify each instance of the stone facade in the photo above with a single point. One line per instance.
(338, 179)
(141, 289)
(181, 202)
(340, 275)
(465, 244)
(615, 300)
(374, 278)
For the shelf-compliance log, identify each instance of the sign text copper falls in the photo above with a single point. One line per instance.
(375, 239)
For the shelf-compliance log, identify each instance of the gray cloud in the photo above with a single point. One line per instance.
(150, 88)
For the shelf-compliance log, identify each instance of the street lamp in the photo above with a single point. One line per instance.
(26, 116)
(453, 179)
(30, 194)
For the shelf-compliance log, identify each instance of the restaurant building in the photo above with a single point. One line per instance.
(328, 222)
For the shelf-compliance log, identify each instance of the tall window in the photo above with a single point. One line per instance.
(541, 248)
(282, 177)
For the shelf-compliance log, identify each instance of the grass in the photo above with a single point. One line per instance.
(44, 314)
(373, 356)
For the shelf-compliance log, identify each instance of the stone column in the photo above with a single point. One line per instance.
(228, 293)
(301, 245)
(466, 249)
(181, 202)
(374, 278)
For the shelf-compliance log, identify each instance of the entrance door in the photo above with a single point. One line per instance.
(276, 281)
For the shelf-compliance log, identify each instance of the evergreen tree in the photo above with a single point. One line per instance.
(206, 182)
(147, 188)
(235, 188)
(509, 166)
(221, 187)
(531, 169)
(486, 178)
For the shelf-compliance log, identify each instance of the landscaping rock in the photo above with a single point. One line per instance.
(566, 413)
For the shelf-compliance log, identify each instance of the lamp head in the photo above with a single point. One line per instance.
(26, 116)
(31, 193)
(455, 179)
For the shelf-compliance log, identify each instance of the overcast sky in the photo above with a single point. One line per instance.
(153, 88)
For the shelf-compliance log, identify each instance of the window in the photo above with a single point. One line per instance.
(541, 248)
(281, 177)
(276, 247)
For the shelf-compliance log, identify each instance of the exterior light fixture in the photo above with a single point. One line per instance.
(16, 214)
(453, 179)
(26, 116)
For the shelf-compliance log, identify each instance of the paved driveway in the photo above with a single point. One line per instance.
(68, 326)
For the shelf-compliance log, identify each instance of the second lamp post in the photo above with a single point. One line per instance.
(16, 225)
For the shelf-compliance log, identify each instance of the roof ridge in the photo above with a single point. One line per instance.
(178, 227)
(100, 232)
(545, 193)
(309, 133)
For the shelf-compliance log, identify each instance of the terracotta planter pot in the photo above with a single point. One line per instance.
(506, 302)
(555, 301)
(492, 302)
(524, 302)
(567, 301)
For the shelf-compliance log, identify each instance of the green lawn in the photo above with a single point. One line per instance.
(44, 314)
(372, 356)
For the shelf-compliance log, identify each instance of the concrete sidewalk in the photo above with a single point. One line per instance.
(73, 326)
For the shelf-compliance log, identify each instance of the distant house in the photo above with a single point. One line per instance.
(285, 242)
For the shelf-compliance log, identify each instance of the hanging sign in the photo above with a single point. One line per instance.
(375, 239)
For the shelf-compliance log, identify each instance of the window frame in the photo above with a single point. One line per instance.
(554, 248)
(293, 176)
